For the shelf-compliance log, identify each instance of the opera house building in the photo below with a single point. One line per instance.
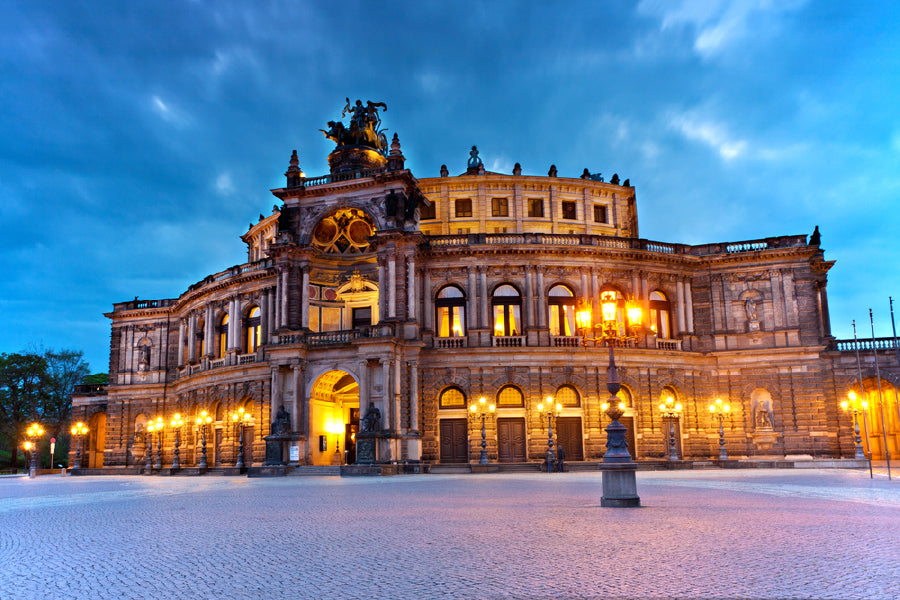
(384, 322)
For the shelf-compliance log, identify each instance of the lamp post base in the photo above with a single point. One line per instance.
(619, 485)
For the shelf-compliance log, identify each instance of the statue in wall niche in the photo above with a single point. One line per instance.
(750, 309)
(282, 423)
(764, 418)
(372, 418)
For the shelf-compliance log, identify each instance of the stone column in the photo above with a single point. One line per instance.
(209, 328)
(392, 288)
(528, 313)
(299, 416)
(411, 289)
(635, 285)
(414, 446)
(275, 396)
(192, 337)
(234, 319)
(363, 389)
(283, 295)
(264, 317)
(472, 294)
(304, 298)
(688, 307)
(584, 285)
(595, 295)
(382, 295)
(679, 306)
(542, 312)
(180, 342)
(395, 408)
(428, 317)
(485, 303)
(388, 417)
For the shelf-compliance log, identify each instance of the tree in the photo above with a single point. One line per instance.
(23, 385)
(65, 370)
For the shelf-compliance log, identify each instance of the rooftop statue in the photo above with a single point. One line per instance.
(365, 127)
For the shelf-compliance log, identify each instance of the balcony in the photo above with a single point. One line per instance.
(451, 342)
(508, 341)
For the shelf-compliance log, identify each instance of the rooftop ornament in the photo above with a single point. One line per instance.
(362, 145)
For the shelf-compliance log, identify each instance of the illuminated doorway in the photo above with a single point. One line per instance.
(333, 419)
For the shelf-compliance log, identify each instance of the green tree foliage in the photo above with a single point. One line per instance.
(37, 388)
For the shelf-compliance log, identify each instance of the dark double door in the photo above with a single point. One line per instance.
(454, 440)
(569, 438)
(511, 440)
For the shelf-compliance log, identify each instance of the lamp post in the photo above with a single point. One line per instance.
(240, 418)
(719, 409)
(619, 482)
(158, 427)
(549, 411)
(33, 433)
(176, 425)
(79, 430)
(854, 406)
(482, 410)
(203, 422)
(671, 410)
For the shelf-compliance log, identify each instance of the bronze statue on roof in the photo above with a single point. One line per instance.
(365, 127)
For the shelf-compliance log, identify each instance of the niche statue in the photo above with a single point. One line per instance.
(282, 423)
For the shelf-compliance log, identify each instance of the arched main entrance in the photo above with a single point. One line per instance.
(879, 421)
(333, 419)
(96, 442)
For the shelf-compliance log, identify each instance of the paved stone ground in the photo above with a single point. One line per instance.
(699, 534)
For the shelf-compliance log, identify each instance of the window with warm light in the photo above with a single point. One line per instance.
(450, 312)
(510, 395)
(660, 323)
(200, 340)
(507, 305)
(453, 397)
(499, 207)
(567, 396)
(223, 336)
(535, 207)
(253, 333)
(562, 310)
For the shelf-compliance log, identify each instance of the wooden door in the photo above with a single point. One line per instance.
(248, 446)
(454, 440)
(217, 449)
(628, 422)
(568, 437)
(511, 440)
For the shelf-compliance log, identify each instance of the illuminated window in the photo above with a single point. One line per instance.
(499, 207)
(453, 398)
(507, 304)
(562, 311)
(535, 207)
(253, 331)
(510, 396)
(450, 312)
(568, 210)
(660, 322)
(567, 396)
(223, 336)
(463, 207)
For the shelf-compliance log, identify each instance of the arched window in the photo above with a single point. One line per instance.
(660, 322)
(252, 331)
(567, 396)
(562, 310)
(223, 336)
(450, 312)
(624, 396)
(200, 340)
(507, 305)
(453, 397)
(510, 395)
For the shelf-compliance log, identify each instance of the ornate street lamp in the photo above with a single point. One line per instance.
(158, 427)
(549, 411)
(854, 406)
(671, 410)
(203, 421)
(176, 425)
(719, 409)
(482, 410)
(79, 430)
(240, 419)
(33, 433)
(619, 482)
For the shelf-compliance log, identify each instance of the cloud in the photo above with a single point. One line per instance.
(168, 113)
(224, 185)
(708, 132)
(718, 24)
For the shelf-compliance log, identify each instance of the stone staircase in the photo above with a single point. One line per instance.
(315, 471)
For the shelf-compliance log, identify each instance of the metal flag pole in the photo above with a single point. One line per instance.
(862, 395)
(887, 453)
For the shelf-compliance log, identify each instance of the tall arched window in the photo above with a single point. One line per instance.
(562, 310)
(660, 322)
(252, 331)
(223, 336)
(507, 303)
(200, 340)
(450, 312)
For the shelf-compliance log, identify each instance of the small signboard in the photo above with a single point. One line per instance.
(295, 452)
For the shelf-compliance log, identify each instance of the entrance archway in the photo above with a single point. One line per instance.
(880, 415)
(96, 440)
(333, 418)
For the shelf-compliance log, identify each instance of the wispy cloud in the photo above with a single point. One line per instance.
(714, 135)
(168, 112)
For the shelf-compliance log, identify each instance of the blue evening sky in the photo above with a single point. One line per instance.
(139, 139)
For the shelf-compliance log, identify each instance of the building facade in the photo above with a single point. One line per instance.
(374, 308)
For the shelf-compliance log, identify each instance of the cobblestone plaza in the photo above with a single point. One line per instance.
(699, 534)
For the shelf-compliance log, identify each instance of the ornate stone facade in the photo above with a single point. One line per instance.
(417, 297)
